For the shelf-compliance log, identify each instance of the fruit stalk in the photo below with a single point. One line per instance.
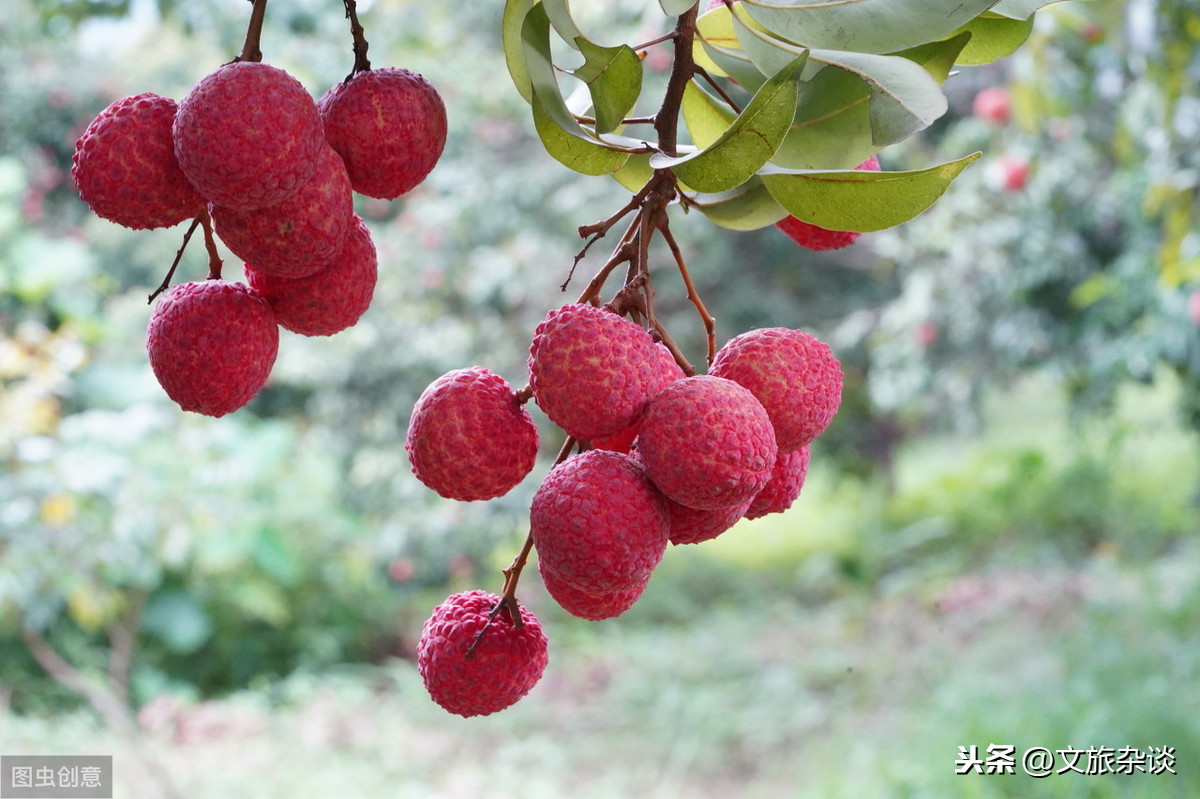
(361, 62)
(251, 50)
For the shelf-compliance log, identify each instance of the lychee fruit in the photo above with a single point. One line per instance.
(125, 168)
(474, 664)
(212, 344)
(670, 371)
(592, 371)
(332, 299)
(1193, 307)
(593, 607)
(792, 373)
(598, 523)
(787, 478)
(296, 237)
(692, 526)
(390, 127)
(993, 105)
(819, 238)
(247, 136)
(469, 436)
(707, 442)
(1011, 172)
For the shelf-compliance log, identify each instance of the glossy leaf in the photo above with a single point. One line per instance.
(673, 8)
(1020, 9)
(511, 24)
(748, 143)
(748, 207)
(614, 78)
(717, 50)
(993, 38)
(859, 200)
(576, 152)
(559, 14)
(557, 127)
(904, 98)
(938, 58)
(864, 26)
(832, 127)
(705, 116)
(635, 173)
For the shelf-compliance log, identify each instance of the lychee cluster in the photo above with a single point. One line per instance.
(654, 457)
(273, 172)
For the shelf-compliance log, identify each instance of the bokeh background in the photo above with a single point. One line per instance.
(998, 543)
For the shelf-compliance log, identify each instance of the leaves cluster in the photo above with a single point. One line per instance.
(782, 100)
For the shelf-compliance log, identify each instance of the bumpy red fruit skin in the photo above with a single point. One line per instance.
(707, 443)
(669, 372)
(390, 127)
(592, 371)
(297, 237)
(212, 345)
(247, 136)
(125, 168)
(692, 526)
(598, 523)
(787, 478)
(332, 299)
(794, 375)
(469, 438)
(501, 670)
(819, 238)
(593, 607)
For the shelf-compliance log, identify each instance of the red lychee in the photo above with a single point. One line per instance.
(993, 105)
(592, 371)
(212, 345)
(1011, 172)
(593, 607)
(794, 375)
(691, 526)
(390, 127)
(125, 168)
(332, 299)
(707, 443)
(598, 523)
(1193, 307)
(669, 372)
(296, 237)
(505, 664)
(247, 136)
(469, 436)
(819, 238)
(787, 478)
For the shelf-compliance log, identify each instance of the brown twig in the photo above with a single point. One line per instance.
(166, 283)
(702, 72)
(251, 49)
(710, 324)
(512, 575)
(210, 244)
(361, 62)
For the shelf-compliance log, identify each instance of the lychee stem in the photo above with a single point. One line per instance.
(710, 324)
(166, 283)
(251, 48)
(512, 575)
(210, 244)
(361, 62)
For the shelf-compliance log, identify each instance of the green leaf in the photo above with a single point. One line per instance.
(635, 172)
(1020, 9)
(993, 38)
(859, 200)
(673, 8)
(705, 116)
(748, 207)
(904, 98)
(559, 14)
(561, 134)
(718, 52)
(832, 127)
(576, 152)
(511, 25)
(864, 26)
(938, 58)
(767, 53)
(614, 78)
(748, 143)
(178, 620)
